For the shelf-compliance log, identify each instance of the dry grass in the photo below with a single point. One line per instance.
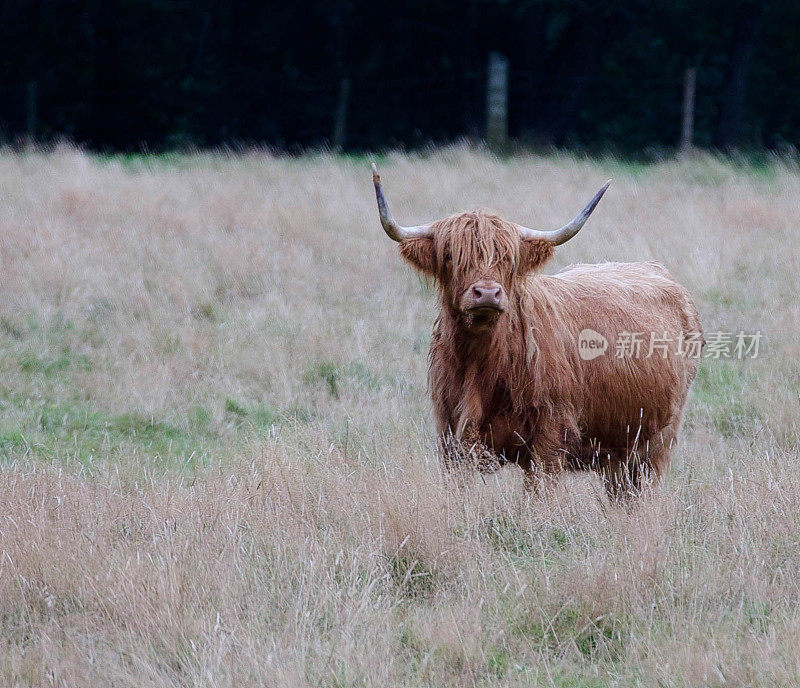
(217, 453)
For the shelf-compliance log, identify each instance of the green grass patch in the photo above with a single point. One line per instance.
(335, 377)
(412, 577)
(11, 326)
(141, 162)
(234, 407)
(498, 661)
(261, 416)
(573, 625)
(79, 431)
(209, 311)
(50, 366)
(505, 535)
(13, 443)
(326, 372)
(720, 297)
(200, 419)
(718, 391)
(264, 417)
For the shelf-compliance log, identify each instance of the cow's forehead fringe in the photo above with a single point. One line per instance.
(476, 240)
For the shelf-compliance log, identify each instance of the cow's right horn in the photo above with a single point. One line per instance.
(569, 230)
(395, 231)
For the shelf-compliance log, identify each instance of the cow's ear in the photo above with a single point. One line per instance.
(421, 254)
(533, 253)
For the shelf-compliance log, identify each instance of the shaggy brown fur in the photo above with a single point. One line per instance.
(517, 390)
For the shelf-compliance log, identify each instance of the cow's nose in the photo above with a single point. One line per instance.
(487, 294)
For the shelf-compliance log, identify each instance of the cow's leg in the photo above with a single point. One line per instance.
(543, 463)
(660, 446)
(461, 456)
(476, 454)
(621, 472)
(627, 471)
(537, 480)
(648, 463)
(452, 459)
(447, 452)
(625, 474)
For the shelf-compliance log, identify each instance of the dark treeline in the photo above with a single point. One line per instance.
(126, 74)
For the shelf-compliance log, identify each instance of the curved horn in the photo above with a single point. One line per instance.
(569, 230)
(395, 231)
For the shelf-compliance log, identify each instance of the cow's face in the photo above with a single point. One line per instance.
(478, 261)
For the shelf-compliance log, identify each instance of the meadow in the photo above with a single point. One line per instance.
(217, 456)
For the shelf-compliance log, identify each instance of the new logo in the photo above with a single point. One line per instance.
(591, 344)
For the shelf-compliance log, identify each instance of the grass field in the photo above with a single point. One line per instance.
(217, 460)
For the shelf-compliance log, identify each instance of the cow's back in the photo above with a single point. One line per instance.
(630, 390)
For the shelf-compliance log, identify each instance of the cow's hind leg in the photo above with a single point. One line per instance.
(626, 472)
(623, 474)
(537, 478)
(659, 447)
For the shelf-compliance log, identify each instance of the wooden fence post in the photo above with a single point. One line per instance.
(340, 124)
(687, 115)
(497, 101)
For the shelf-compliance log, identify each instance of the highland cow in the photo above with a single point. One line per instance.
(507, 375)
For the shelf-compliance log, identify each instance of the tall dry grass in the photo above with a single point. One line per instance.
(218, 462)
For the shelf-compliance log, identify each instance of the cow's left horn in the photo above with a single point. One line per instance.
(395, 231)
(569, 230)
